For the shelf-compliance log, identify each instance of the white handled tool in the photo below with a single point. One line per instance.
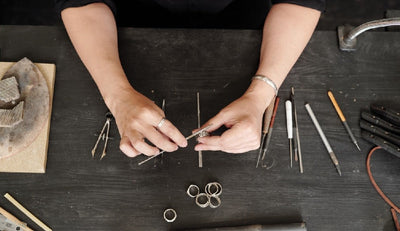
(289, 125)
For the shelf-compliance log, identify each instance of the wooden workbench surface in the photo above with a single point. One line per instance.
(81, 193)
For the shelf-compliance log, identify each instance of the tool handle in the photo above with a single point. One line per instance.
(289, 119)
(336, 105)
(268, 116)
(271, 124)
(318, 127)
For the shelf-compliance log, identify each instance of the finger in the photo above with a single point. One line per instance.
(169, 130)
(215, 122)
(236, 139)
(160, 140)
(137, 142)
(210, 141)
(205, 147)
(126, 147)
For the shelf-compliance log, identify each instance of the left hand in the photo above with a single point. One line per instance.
(243, 118)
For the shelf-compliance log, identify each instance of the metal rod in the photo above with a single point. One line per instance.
(324, 139)
(200, 153)
(187, 138)
(296, 124)
(371, 25)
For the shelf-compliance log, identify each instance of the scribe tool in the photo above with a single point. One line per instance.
(289, 125)
(323, 137)
(187, 138)
(266, 122)
(343, 119)
(271, 126)
(296, 126)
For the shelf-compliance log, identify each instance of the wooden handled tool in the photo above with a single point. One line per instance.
(266, 122)
(343, 119)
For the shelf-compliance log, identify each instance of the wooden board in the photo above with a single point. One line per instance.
(33, 159)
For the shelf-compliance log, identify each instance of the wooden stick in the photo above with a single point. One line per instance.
(10, 217)
(26, 212)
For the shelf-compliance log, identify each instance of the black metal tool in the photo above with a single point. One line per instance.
(389, 114)
(374, 119)
(378, 128)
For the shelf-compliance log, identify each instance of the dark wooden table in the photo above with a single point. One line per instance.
(81, 193)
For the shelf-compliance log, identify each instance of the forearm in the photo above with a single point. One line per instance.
(93, 32)
(287, 30)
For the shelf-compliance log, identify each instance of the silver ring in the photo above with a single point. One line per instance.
(202, 204)
(213, 189)
(170, 215)
(193, 190)
(161, 122)
(215, 203)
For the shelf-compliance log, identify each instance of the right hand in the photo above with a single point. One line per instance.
(137, 118)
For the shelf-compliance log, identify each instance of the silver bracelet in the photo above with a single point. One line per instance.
(268, 81)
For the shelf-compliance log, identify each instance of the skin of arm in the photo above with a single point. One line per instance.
(93, 32)
(287, 30)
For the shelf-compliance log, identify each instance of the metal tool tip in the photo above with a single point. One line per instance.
(338, 170)
(358, 147)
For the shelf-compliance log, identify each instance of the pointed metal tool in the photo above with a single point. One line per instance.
(103, 134)
(271, 126)
(343, 119)
(187, 138)
(296, 126)
(289, 125)
(266, 122)
(324, 139)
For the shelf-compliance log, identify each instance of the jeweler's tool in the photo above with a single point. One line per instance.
(162, 108)
(271, 126)
(187, 138)
(105, 130)
(343, 119)
(200, 153)
(289, 125)
(296, 125)
(266, 122)
(323, 137)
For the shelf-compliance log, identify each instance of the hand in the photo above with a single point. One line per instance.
(243, 118)
(137, 118)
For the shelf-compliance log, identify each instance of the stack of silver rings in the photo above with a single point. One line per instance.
(208, 198)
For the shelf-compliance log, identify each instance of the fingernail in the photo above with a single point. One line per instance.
(184, 144)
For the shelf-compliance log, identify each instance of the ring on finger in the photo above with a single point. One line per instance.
(162, 121)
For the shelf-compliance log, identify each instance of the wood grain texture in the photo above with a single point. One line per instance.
(79, 193)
